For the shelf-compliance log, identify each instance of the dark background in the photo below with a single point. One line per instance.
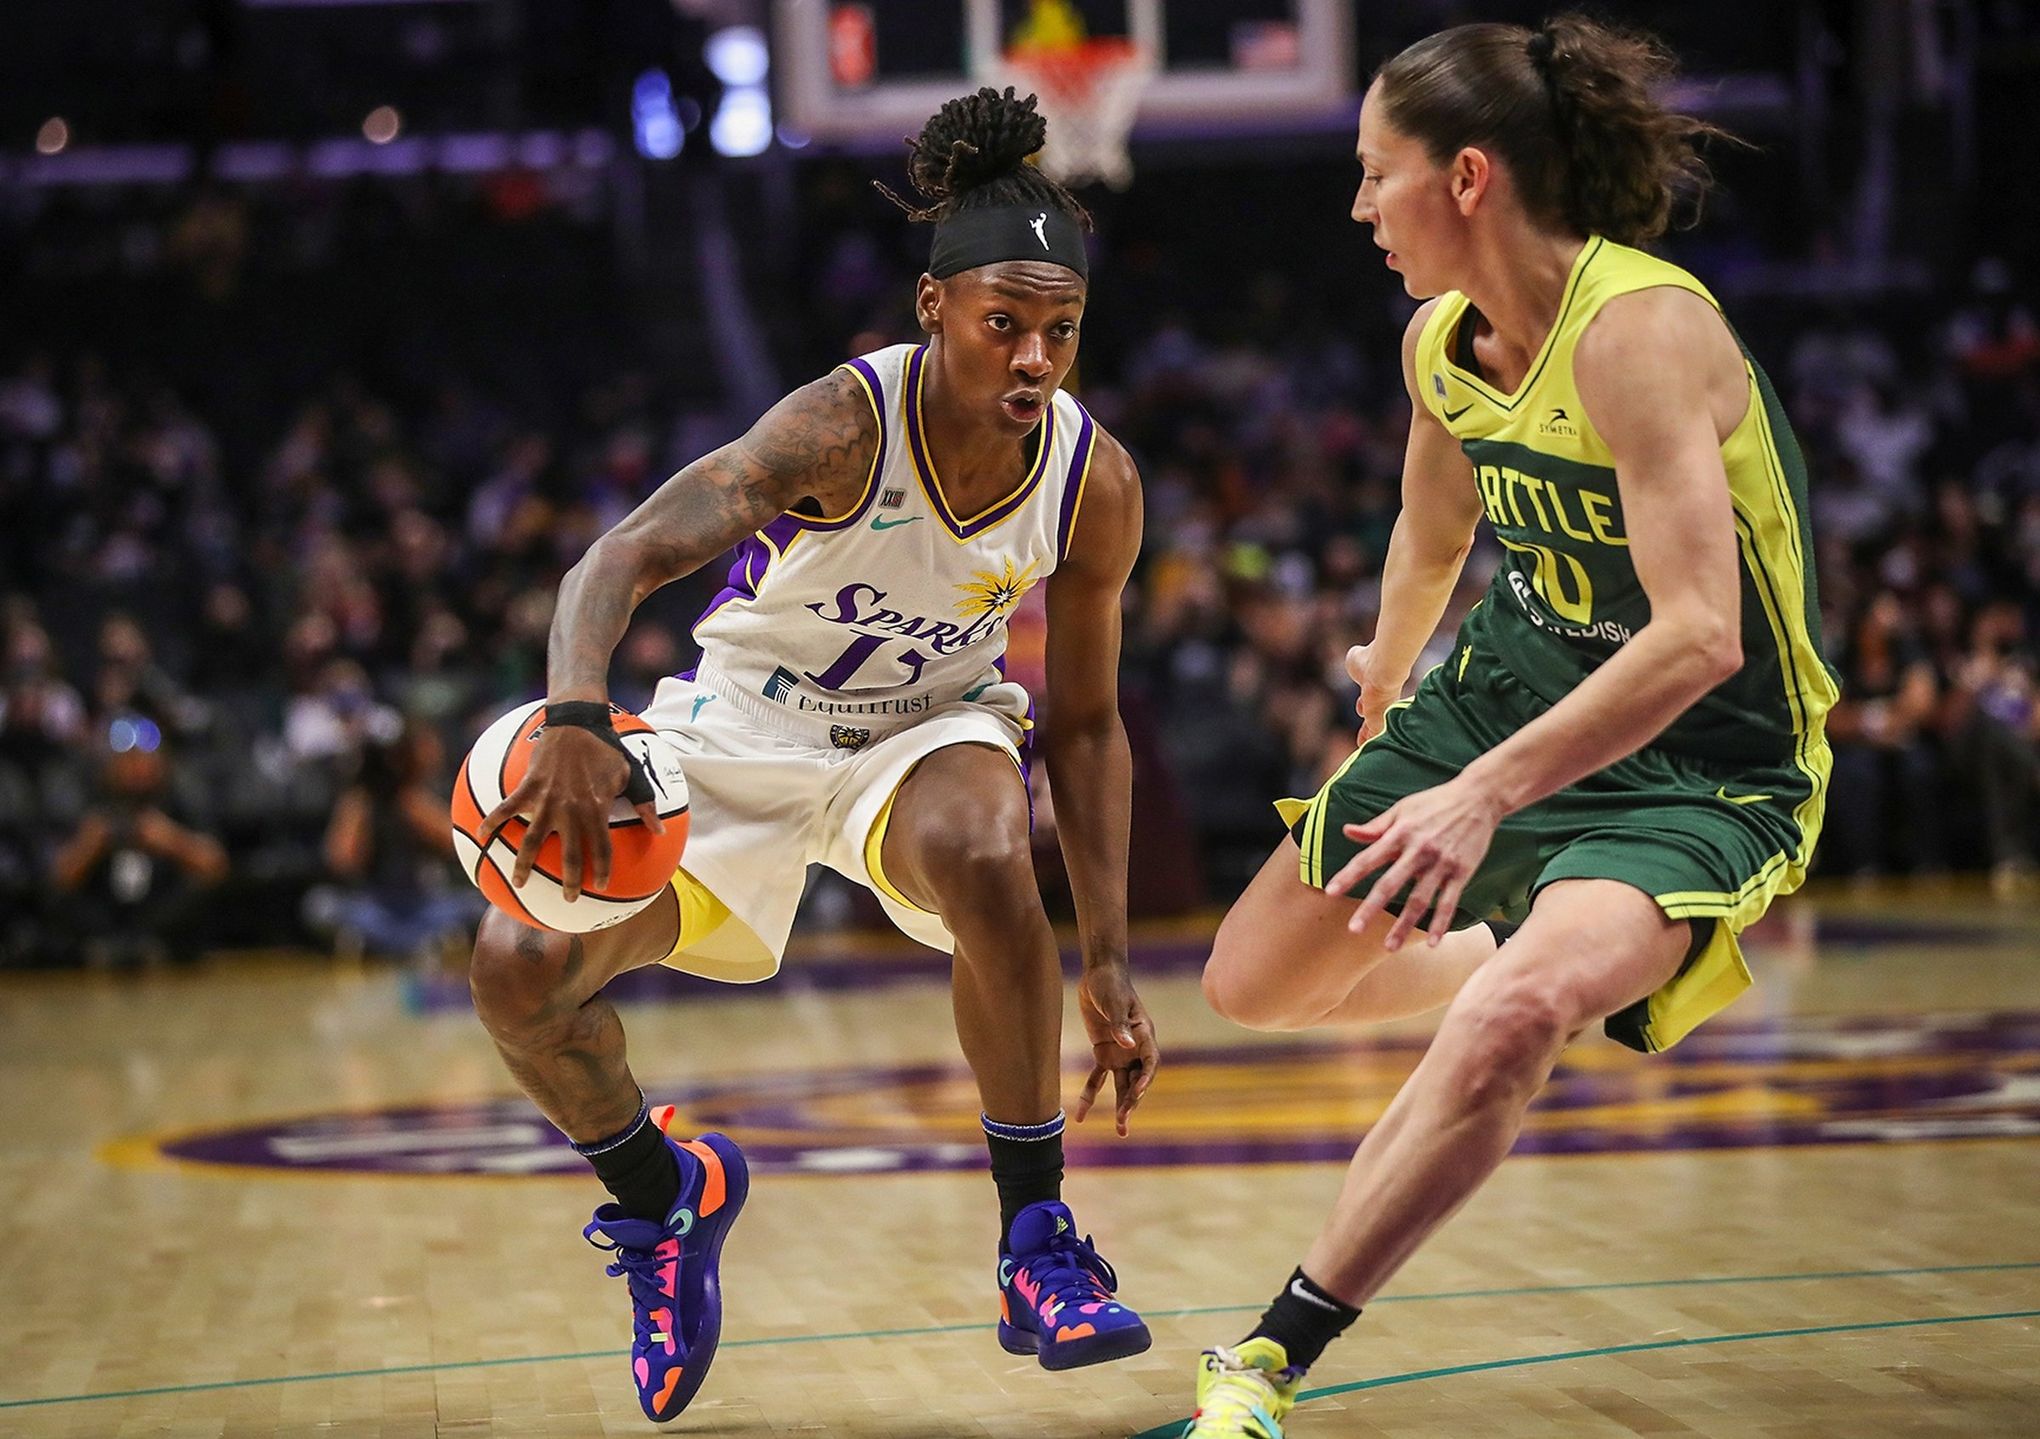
(297, 434)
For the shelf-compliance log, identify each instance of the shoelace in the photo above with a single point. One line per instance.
(642, 1267)
(1242, 1392)
(1071, 1270)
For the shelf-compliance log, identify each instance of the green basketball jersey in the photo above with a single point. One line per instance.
(1567, 596)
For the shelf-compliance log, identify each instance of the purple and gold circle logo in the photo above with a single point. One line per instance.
(1791, 1082)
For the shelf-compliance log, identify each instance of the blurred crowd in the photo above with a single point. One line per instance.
(241, 643)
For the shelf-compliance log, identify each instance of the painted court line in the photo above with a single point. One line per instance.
(781, 1341)
(1174, 1428)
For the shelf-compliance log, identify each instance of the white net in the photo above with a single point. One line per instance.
(1090, 93)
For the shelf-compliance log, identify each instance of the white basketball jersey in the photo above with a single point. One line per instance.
(900, 604)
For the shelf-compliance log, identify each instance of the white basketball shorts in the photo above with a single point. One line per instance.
(772, 790)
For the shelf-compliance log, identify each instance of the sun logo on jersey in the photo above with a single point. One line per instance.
(995, 594)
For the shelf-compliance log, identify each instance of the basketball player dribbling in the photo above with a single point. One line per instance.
(851, 709)
(1625, 749)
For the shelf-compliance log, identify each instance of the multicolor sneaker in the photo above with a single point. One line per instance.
(1055, 1295)
(675, 1291)
(1244, 1393)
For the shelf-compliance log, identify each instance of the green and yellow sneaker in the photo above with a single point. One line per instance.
(1244, 1393)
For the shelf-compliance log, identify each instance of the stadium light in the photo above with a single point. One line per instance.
(132, 732)
(737, 55)
(54, 135)
(743, 123)
(382, 125)
(655, 125)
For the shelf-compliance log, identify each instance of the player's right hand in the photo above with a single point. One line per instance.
(568, 788)
(1376, 695)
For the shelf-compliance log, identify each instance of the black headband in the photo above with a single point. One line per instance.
(1007, 232)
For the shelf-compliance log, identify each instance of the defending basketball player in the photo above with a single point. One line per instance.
(1625, 749)
(851, 709)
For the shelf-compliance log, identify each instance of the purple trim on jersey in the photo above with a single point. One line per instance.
(872, 486)
(753, 557)
(780, 532)
(925, 467)
(1073, 484)
(750, 560)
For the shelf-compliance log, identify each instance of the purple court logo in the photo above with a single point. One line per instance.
(1793, 1082)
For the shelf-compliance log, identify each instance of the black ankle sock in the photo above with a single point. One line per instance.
(1304, 1319)
(1027, 1166)
(637, 1166)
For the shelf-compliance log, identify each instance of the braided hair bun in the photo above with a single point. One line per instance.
(973, 153)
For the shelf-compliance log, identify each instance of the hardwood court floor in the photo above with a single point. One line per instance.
(1820, 1217)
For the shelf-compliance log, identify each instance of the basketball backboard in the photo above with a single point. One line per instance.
(870, 71)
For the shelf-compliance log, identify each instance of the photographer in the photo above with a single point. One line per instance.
(130, 878)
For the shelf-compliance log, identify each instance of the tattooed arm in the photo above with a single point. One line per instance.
(817, 442)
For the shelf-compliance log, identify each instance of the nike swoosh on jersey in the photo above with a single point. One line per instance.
(879, 522)
(1451, 415)
(1722, 793)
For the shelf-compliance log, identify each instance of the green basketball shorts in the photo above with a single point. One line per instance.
(1707, 839)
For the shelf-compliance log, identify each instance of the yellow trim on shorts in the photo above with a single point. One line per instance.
(1719, 973)
(1310, 856)
(1717, 976)
(701, 914)
(874, 847)
(874, 839)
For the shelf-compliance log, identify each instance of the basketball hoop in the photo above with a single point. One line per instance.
(1090, 92)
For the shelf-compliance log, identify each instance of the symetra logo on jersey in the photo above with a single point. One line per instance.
(1558, 422)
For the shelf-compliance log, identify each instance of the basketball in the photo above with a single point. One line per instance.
(640, 864)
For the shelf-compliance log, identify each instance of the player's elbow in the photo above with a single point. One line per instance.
(1715, 647)
(1430, 547)
(619, 559)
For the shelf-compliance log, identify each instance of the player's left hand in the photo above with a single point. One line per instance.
(1122, 1040)
(1431, 842)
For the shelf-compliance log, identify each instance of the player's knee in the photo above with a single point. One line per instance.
(978, 861)
(516, 972)
(1239, 992)
(1516, 1024)
(1228, 998)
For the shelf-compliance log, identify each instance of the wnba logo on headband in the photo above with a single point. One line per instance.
(1007, 232)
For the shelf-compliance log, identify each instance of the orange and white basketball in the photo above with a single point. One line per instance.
(641, 863)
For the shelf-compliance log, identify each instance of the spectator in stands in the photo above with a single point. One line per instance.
(1884, 800)
(389, 853)
(130, 879)
(1993, 723)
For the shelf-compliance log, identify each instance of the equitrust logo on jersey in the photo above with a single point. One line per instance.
(1558, 422)
(781, 684)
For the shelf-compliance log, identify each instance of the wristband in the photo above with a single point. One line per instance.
(593, 716)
